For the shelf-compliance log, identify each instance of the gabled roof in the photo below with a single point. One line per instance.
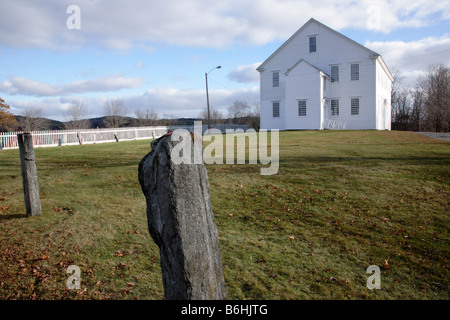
(312, 20)
(304, 61)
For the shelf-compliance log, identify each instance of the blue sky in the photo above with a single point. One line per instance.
(154, 54)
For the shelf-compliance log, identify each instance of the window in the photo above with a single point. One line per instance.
(324, 80)
(275, 79)
(334, 107)
(302, 108)
(312, 44)
(355, 106)
(334, 73)
(354, 72)
(276, 109)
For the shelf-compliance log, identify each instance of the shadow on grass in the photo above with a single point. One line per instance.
(13, 216)
(366, 160)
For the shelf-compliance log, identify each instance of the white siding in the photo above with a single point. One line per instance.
(268, 95)
(383, 94)
(302, 81)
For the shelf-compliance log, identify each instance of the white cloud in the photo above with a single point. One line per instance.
(22, 86)
(120, 25)
(245, 74)
(140, 64)
(180, 103)
(189, 103)
(56, 108)
(412, 58)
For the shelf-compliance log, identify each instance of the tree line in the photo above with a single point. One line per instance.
(116, 115)
(424, 107)
(240, 112)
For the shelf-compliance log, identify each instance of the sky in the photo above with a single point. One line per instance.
(154, 54)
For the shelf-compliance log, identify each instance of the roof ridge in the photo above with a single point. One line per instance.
(311, 20)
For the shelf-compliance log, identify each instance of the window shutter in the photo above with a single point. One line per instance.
(354, 71)
(312, 44)
(302, 108)
(334, 107)
(334, 73)
(275, 79)
(276, 109)
(355, 106)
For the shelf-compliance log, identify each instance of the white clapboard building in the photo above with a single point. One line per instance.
(320, 79)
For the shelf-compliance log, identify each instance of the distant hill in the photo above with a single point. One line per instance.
(50, 124)
(42, 123)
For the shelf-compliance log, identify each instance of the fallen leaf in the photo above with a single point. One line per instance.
(333, 279)
(121, 266)
(119, 254)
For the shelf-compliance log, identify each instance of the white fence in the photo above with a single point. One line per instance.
(53, 138)
(8, 140)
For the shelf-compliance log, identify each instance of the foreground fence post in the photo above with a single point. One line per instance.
(29, 174)
(181, 222)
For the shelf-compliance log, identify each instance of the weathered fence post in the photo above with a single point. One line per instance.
(80, 138)
(181, 222)
(29, 174)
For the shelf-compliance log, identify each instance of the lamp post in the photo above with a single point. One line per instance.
(207, 95)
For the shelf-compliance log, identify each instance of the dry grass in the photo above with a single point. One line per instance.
(342, 201)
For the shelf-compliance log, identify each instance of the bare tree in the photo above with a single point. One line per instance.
(76, 116)
(418, 109)
(396, 83)
(147, 117)
(215, 115)
(238, 110)
(32, 119)
(116, 112)
(169, 119)
(401, 111)
(254, 117)
(435, 87)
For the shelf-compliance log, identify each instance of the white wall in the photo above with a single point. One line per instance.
(332, 48)
(383, 94)
(267, 96)
(303, 83)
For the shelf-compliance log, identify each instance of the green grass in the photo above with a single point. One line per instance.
(341, 201)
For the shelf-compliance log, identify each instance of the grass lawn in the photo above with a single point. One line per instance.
(341, 202)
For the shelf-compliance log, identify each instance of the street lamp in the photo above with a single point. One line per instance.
(207, 95)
